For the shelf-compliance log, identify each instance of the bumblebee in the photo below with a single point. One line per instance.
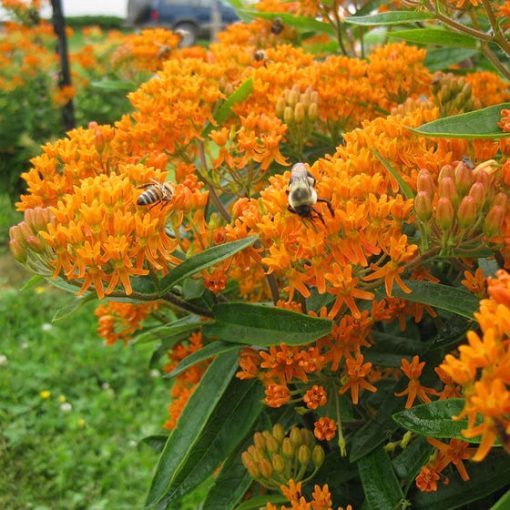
(302, 195)
(277, 26)
(260, 56)
(155, 193)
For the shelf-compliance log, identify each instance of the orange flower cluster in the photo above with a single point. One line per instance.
(186, 381)
(145, 51)
(118, 321)
(504, 123)
(452, 453)
(321, 498)
(482, 368)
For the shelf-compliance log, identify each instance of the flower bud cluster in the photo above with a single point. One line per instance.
(299, 110)
(452, 94)
(275, 458)
(462, 207)
(25, 243)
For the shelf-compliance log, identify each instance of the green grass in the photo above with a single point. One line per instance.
(82, 453)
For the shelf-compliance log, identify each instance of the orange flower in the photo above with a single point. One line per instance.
(357, 371)
(504, 123)
(475, 283)
(414, 389)
(325, 429)
(277, 395)
(454, 452)
(315, 397)
(427, 479)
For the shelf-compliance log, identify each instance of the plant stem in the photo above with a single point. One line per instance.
(498, 37)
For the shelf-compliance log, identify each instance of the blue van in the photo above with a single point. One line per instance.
(192, 17)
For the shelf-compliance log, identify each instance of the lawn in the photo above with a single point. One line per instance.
(72, 410)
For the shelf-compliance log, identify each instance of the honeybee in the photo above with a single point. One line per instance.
(155, 193)
(302, 195)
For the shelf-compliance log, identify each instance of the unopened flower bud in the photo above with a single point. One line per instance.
(265, 468)
(447, 188)
(493, 221)
(423, 206)
(280, 107)
(304, 455)
(278, 432)
(481, 176)
(477, 191)
(313, 111)
(425, 182)
(501, 199)
(308, 438)
(254, 453)
(271, 444)
(305, 99)
(467, 212)
(295, 437)
(463, 178)
(259, 441)
(17, 250)
(299, 112)
(318, 456)
(446, 171)
(278, 463)
(34, 243)
(287, 448)
(288, 115)
(292, 97)
(444, 213)
(314, 97)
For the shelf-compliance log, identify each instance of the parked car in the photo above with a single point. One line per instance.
(192, 18)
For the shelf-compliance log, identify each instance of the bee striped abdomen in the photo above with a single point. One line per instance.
(150, 196)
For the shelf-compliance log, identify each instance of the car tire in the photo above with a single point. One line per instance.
(189, 34)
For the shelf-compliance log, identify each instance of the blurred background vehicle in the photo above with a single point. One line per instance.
(193, 18)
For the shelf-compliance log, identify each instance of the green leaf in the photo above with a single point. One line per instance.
(156, 442)
(232, 482)
(442, 58)
(477, 124)
(191, 425)
(114, 85)
(72, 307)
(301, 23)
(224, 112)
(179, 327)
(389, 18)
(202, 261)
(435, 420)
(503, 503)
(380, 484)
(232, 420)
(212, 349)
(379, 428)
(436, 36)
(408, 463)
(485, 478)
(261, 501)
(444, 297)
(406, 189)
(36, 279)
(264, 325)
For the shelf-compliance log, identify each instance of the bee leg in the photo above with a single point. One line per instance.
(154, 205)
(328, 203)
(291, 209)
(319, 215)
(146, 185)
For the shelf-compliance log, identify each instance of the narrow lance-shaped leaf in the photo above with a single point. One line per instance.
(191, 425)
(477, 124)
(436, 420)
(503, 503)
(212, 349)
(232, 420)
(444, 297)
(202, 261)
(406, 189)
(264, 325)
(389, 18)
(260, 501)
(435, 36)
(179, 327)
(380, 484)
(225, 110)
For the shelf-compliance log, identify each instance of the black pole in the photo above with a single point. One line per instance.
(64, 75)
